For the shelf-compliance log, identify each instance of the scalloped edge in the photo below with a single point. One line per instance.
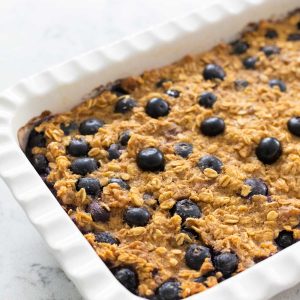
(75, 255)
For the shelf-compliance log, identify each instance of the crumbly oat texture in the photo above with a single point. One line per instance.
(247, 220)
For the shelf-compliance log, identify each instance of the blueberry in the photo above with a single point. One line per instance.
(294, 126)
(151, 159)
(36, 139)
(127, 277)
(91, 185)
(169, 290)
(211, 162)
(124, 137)
(190, 232)
(186, 208)
(114, 151)
(84, 165)
(50, 185)
(195, 256)
(173, 93)
(98, 212)
(157, 107)
(213, 71)
(271, 34)
(183, 149)
(204, 277)
(278, 83)
(293, 37)
(137, 216)
(106, 237)
(201, 279)
(268, 150)
(285, 239)
(40, 163)
(239, 47)
(250, 62)
(226, 263)
(117, 89)
(212, 126)
(68, 128)
(90, 126)
(160, 83)
(122, 184)
(240, 84)
(78, 147)
(207, 99)
(270, 50)
(124, 105)
(258, 187)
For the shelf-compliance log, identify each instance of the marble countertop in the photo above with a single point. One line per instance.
(34, 35)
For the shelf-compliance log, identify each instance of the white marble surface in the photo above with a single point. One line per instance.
(35, 34)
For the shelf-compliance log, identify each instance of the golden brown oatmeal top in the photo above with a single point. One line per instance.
(235, 215)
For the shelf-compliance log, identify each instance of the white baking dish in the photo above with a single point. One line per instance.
(62, 87)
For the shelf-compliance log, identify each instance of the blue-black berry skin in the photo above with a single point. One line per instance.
(186, 208)
(173, 93)
(258, 187)
(240, 84)
(183, 149)
(124, 138)
(268, 150)
(212, 126)
(207, 99)
(84, 165)
(118, 90)
(271, 33)
(98, 212)
(40, 163)
(114, 151)
(213, 71)
(161, 82)
(123, 184)
(211, 162)
(195, 256)
(250, 62)
(190, 232)
(78, 147)
(157, 107)
(68, 128)
(240, 47)
(125, 104)
(169, 290)
(106, 237)
(151, 159)
(293, 125)
(36, 139)
(293, 37)
(270, 50)
(285, 239)
(226, 263)
(127, 277)
(137, 216)
(91, 185)
(279, 83)
(90, 126)
(204, 277)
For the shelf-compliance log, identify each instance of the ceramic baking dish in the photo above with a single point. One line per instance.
(62, 87)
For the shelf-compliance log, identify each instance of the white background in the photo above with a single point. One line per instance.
(35, 34)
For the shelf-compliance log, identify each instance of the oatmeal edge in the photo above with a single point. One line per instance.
(187, 174)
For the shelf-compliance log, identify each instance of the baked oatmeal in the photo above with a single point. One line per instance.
(189, 174)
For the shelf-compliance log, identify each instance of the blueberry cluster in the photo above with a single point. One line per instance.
(152, 159)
